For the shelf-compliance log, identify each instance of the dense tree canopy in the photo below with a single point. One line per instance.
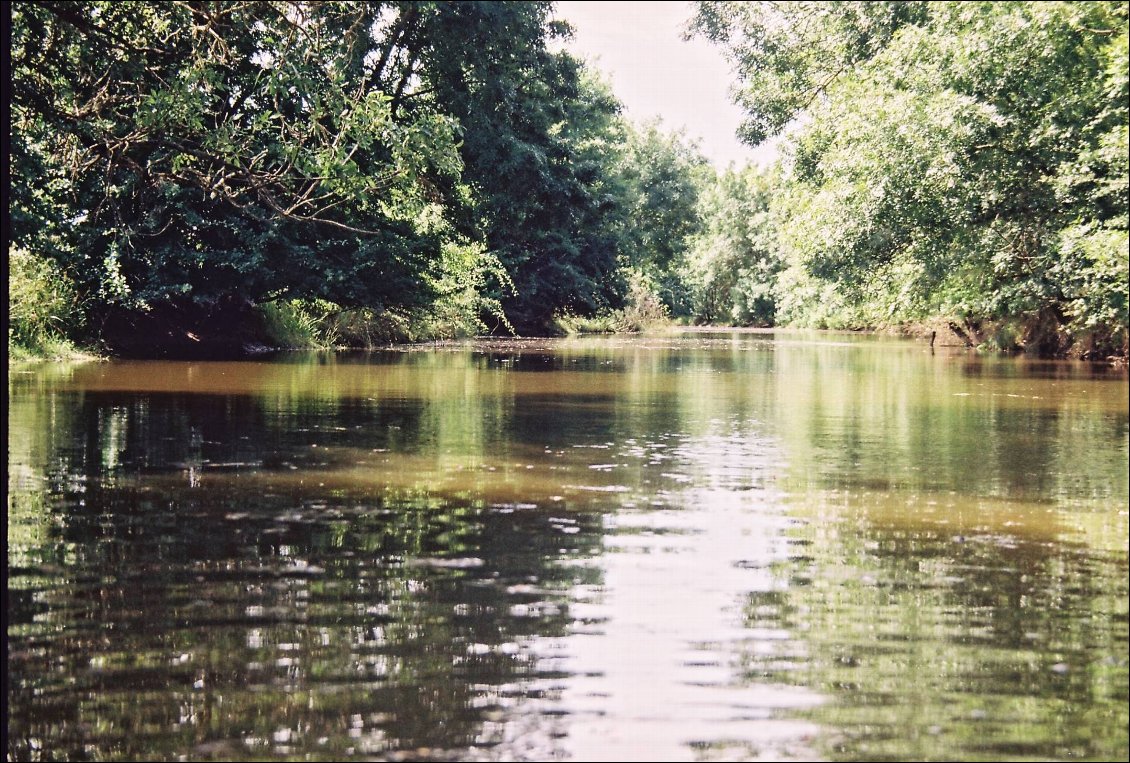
(383, 155)
(539, 138)
(788, 54)
(224, 149)
(733, 262)
(446, 168)
(956, 160)
(662, 178)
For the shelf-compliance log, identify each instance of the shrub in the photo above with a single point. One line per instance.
(43, 309)
(299, 324)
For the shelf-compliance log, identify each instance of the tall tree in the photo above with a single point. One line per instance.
(539, 141)
(966, 161)
(662, 176)
(734, 260)
(788, 54)
(195, 151)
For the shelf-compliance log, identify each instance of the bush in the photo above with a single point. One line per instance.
(644, 309)
(364, 328)
(43, 310)
(1096, 265)
(568, 324)
(299, 324)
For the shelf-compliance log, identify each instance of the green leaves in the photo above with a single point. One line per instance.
(787, 55)
(227, 150)
(949, 159)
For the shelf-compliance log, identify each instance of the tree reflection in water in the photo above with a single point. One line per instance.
(710, 546)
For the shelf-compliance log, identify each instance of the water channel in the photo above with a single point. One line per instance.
(689, 546)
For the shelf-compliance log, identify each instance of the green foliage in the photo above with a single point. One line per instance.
(365, 328)
(430, 169)
(661, 177)
(42, 306)
(203, 151)
(410, 170)
(460, 310)
(541, 140)
(297, 324)
(958, 160)
(567, 324)
(733, 262)
(643, 310)
(462, 279)
(787, 55)
(1095, 263)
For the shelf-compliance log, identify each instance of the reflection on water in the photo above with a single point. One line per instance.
(702, 546)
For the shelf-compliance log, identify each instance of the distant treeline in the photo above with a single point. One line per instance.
(355, 172)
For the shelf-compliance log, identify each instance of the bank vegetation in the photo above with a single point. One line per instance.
(216, 177)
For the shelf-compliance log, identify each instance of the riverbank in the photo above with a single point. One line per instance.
(60, 351)
(1015, 337)
(231, 330)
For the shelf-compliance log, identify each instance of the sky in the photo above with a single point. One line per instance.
(654, 72)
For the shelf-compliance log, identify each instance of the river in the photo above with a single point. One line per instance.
(727, 545)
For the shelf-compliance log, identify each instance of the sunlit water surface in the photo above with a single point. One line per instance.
(727, 545)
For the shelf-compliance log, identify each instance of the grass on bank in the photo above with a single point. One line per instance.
(300, 324)
(42, 310)
(643, 310)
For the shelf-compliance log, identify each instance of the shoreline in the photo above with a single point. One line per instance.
(936, 334)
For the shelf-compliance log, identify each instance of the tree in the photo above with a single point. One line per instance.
(661, 178)
(191, 152)
(961, 160)
(788, 54)
(733, 261)
(540, 138)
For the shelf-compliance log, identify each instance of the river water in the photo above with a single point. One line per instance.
(695, 546)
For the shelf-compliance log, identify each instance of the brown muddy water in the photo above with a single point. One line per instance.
(696, 546)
